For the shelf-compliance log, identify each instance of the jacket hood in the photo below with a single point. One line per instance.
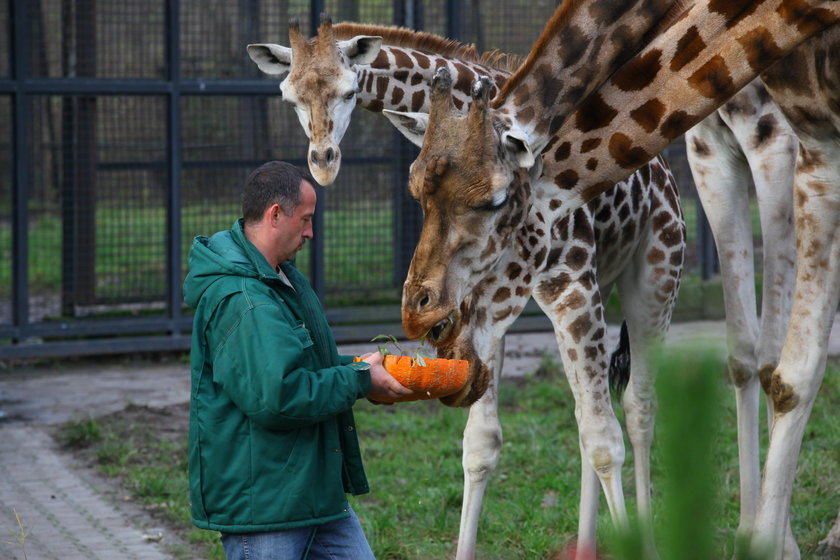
(226, 253)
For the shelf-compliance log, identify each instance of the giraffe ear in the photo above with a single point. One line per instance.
(518, 148)
(412, 125)
(271, 59)
(361, 49)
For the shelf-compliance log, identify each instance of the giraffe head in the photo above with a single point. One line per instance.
(321, 85)
(473, 208)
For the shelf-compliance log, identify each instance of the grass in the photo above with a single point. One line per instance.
(413, 458)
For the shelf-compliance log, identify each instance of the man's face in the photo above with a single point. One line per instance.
(294, 230)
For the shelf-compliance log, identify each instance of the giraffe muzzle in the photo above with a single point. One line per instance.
(441, 331)
(323, 160)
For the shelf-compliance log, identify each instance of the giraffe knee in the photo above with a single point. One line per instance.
(740, 373)
(765, 374)
(784, 396)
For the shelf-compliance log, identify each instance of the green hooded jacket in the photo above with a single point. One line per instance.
(272, 441)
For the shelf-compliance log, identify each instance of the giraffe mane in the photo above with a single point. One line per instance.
(429, 43)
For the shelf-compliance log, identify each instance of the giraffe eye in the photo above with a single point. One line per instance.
(499, 199)
(349, 96)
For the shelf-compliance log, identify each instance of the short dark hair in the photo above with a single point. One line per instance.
(273, 182)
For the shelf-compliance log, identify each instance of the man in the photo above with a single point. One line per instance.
(272, 446)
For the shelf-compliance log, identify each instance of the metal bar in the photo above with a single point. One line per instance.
(227, 163)
(454, 19)
(98, 347)
(315, 9)
(316, 253)
(181, 343)
(21, 116)
(173, 159)
(316, 261)
(138, 86)
(96, 327)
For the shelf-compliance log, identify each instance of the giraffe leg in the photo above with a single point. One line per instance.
(585, 363)
(590, 492)
(722, 179)
(772, 170)
(482, 448)
(648, 294)
(793, 386)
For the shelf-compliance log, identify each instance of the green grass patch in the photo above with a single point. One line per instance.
(413, 459)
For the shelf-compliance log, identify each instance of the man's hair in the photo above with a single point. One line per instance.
(273, 182)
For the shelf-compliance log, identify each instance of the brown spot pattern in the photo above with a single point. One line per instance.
(580, 327)
(589, 144)
(639, 72)
(594, 113)
(677, 123)
(625, 153)
(648, 114)
(563, 151)
(689, 47)
(402, 60)
(713, 79)
(567, 179)
(417, 100)
(760, 47)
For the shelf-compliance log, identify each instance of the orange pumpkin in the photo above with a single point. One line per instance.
(438, 378)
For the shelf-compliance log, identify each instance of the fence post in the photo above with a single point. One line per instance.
(21, 117)
(454, 19)
(407, 215)
(78, 197)
(316, 253)
(174, 163)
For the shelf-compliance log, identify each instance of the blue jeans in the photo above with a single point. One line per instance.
(337, 540)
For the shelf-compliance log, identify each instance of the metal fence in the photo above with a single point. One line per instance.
(128, 127)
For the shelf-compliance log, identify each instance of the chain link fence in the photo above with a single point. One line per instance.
(128, 127)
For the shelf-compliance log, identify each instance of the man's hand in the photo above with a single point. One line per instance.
(382, 384)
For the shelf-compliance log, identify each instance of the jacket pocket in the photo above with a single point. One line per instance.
(303, 335)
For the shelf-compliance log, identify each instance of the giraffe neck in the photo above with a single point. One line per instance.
(399, 79)
(579, 46)
(680, 77)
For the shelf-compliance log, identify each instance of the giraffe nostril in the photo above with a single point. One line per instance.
(329, 156)
(313, 157)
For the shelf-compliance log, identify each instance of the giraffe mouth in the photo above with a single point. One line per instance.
(441, 331)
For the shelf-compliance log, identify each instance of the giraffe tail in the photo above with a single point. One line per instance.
(619, 373)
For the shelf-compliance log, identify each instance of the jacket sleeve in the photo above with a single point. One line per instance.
(258, 363)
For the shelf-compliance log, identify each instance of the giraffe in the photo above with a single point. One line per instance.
(748, 141)
(394, 70)
(596, 119)
(631, 237)
(371, 66)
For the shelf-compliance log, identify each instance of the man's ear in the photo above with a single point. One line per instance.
(274, 60)
(361, 49)
(412, 125)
